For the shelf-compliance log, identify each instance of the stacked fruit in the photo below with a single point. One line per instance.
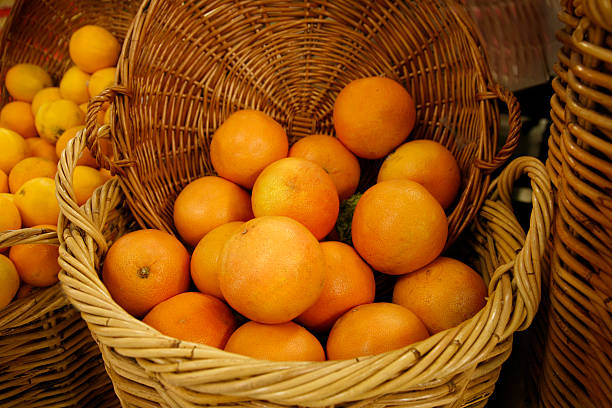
(261, 240)
(34, 129)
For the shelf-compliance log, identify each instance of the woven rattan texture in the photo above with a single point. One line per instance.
(187, 65)
(47, 355)
(577, 362)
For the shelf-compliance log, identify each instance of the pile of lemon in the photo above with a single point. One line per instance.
(35, 126)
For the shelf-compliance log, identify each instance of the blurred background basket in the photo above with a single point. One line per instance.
(577, 362)
(47, 355)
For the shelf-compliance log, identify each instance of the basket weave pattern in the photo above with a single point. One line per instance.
(47, 355)
(577, 365)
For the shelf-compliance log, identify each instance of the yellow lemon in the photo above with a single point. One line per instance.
(43, 96)
(93, 47)
(23, 81)
(53, 118)
(85, 180)
(37, 203)
(74, 85)
(13, 149)
(100, 80)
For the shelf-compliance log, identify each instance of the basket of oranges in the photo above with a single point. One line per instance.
(292, 180)
(48, 355)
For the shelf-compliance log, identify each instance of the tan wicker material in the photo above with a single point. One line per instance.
(187, 65)
(47, 355)
(454, 368)
(577, 365)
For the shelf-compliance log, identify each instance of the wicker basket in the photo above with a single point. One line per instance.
(187, 66)
(577, 364)
(47, 355)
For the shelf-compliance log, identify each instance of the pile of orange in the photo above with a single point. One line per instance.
(35, 127)
(255, 241)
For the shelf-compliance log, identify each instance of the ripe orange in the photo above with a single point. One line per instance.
(145, 267)
(245, 143)
(36, 263)
(54, 117)
(100, 80)
(428, 163)
(18, 117)
(13, 149)
(329, 153)
(349, 282)
(43, 96)
(93, 47)
(23, 81)
(277, 342)
(373, 328)
(85, 180)
(41, 148)
(10, 219)
(443, 294)
(9, 281)
(206, 203)
(299, 189)
(29, 168)
(86, 158)
(74, 85)
(272, 270)
(4, 187)
(193, 316)
(205, 260)
(37, 202)
(398, 227)
(372, 116)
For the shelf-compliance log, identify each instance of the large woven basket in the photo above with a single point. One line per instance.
(577, 361)
(47, 355)
(187, 65)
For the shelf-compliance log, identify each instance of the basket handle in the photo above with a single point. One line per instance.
(497, 91)
(526, 265)
(94, 133)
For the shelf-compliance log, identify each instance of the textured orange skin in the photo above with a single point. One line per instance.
(398, 227)
(36, 263)
(272, 270)
(443, 294)
(277, 342)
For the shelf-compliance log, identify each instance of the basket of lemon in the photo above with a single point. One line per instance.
(48, 357)
(292, 182)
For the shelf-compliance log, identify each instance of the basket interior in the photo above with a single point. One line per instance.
(188, 70)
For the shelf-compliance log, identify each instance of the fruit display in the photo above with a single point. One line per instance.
(35, 126)
(259, 267)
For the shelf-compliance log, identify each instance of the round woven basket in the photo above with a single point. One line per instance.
(454, 368)
(47, 355)
(577, 366)
(186, 66)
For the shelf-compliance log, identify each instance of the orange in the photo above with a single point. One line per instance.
(329, 153)
(206, 203)
(145, 267)
(85, 180)
(300, 189)
(428, 163)
(373, 328)
(272, 270)
(29, 168)
(10, 219)
(443, 294)
(18, 116)
(205, 263)
(398, 227)
(41, 148)
(74, 85)
(245, 143)
(93, 47)
(36, 263)
(43, 96)
(13, 149)
(86, 158)
(100, 80)
(23, 81)
(36, 202)
(53, 118)
(193, 316)
(4, 187)
(372, 116)
(349, 282)
(9, 281)
(276, 342)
